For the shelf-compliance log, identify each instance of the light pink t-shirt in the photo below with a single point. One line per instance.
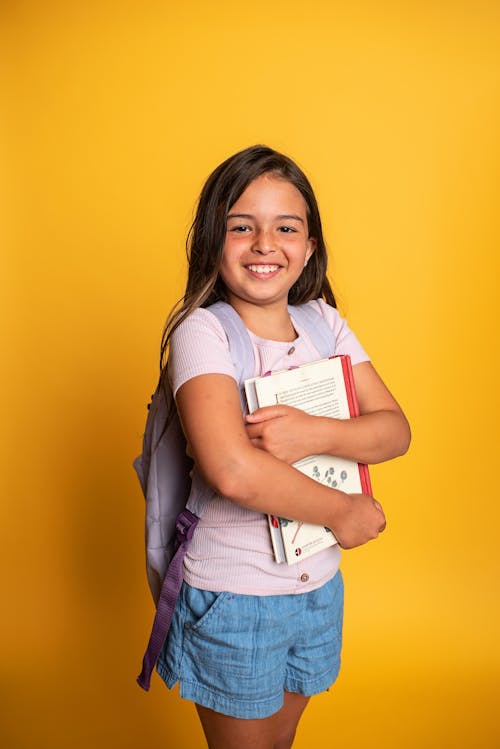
(231, 548)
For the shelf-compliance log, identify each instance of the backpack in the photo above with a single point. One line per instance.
(163, 470)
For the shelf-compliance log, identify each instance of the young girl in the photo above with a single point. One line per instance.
(252, 640)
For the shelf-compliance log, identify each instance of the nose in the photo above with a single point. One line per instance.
(264, 243)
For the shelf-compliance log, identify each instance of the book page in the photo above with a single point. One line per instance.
(251, 395)
(338, 473)
(317, 388)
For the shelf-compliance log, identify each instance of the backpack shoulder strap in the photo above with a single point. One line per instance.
(240, 345)
(316, 327)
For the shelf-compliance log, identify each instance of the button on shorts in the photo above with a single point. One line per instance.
(237, 654)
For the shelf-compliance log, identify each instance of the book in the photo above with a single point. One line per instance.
(321, 388)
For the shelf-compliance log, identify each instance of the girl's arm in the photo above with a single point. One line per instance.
(380, 433)
(210, 412)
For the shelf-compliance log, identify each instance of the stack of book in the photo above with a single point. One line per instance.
(321, 388)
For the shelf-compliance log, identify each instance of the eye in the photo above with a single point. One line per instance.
(287, 229)
(240, 229)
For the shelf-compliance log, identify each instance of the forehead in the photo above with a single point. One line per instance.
(270, 192)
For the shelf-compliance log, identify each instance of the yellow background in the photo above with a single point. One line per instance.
(112, 115)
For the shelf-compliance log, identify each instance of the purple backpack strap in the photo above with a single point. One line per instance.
(185, 525)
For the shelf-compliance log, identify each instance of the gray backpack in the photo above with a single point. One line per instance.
(164, 469)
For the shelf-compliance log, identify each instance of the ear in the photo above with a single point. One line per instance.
(311, 246)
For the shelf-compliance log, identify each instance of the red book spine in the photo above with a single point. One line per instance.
(354, 411)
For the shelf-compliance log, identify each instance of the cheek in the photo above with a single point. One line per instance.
(225, 267)
(226, 255)
(231, 252)
(229, 248)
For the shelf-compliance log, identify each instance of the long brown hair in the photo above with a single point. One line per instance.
(206, 237)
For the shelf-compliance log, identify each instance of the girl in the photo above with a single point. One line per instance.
(252, 640)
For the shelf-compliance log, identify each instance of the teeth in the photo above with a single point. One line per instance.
(263, 268)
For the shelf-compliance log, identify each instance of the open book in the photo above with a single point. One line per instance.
(321, 388)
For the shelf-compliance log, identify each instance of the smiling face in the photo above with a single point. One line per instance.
(267, 243)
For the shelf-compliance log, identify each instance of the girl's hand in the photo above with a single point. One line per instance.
(280, 430)
(360, 520)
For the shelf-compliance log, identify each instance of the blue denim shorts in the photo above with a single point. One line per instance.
(237, 654)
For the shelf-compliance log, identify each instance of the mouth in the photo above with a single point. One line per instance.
(263, 269)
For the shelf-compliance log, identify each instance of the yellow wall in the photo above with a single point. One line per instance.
(112, 116)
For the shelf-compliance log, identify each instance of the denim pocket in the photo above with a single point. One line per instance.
(219, 634)
(202, 606)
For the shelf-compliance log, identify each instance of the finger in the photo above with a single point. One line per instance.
(266, 413)
(378, 506)
(253, 430)
(384, 521)
(256, 442)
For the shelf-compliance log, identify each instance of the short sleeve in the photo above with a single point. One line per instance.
(198, 346)
(345, 340)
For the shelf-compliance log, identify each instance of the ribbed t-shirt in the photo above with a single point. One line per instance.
(231, 547)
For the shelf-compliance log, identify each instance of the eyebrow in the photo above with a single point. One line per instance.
(282, 217)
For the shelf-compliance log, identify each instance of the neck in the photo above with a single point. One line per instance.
(267, 321)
